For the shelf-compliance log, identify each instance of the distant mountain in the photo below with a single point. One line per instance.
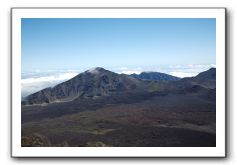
(98, 82)
(155, 76)
(207, 75)
(89, 84)
(206, 79)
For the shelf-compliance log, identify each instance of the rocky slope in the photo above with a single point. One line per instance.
(155, 76)
(89, 84)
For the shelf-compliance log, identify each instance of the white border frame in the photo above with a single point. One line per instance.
(218, 151)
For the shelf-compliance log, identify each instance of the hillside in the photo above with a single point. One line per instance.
(98, 106)
(89, 84)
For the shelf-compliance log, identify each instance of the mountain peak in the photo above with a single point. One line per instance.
(93, 83)
(209, 74)
(95, 70)
(212, 69)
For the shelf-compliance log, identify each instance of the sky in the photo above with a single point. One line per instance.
(56, 49)
(56, 43)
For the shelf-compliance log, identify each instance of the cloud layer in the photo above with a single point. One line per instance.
(34, 84)
(34, 81)
(175, 70)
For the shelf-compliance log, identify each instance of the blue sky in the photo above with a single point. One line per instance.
(55, 50)
(51, 44)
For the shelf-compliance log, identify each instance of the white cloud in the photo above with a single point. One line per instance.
(59, 77)
(31, 85)
(130, 72)
(183, 74)
(126, 69)
(188, 70)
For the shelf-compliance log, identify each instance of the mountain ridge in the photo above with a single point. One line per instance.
(155, 76)
(91, 83)
(98, 82)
